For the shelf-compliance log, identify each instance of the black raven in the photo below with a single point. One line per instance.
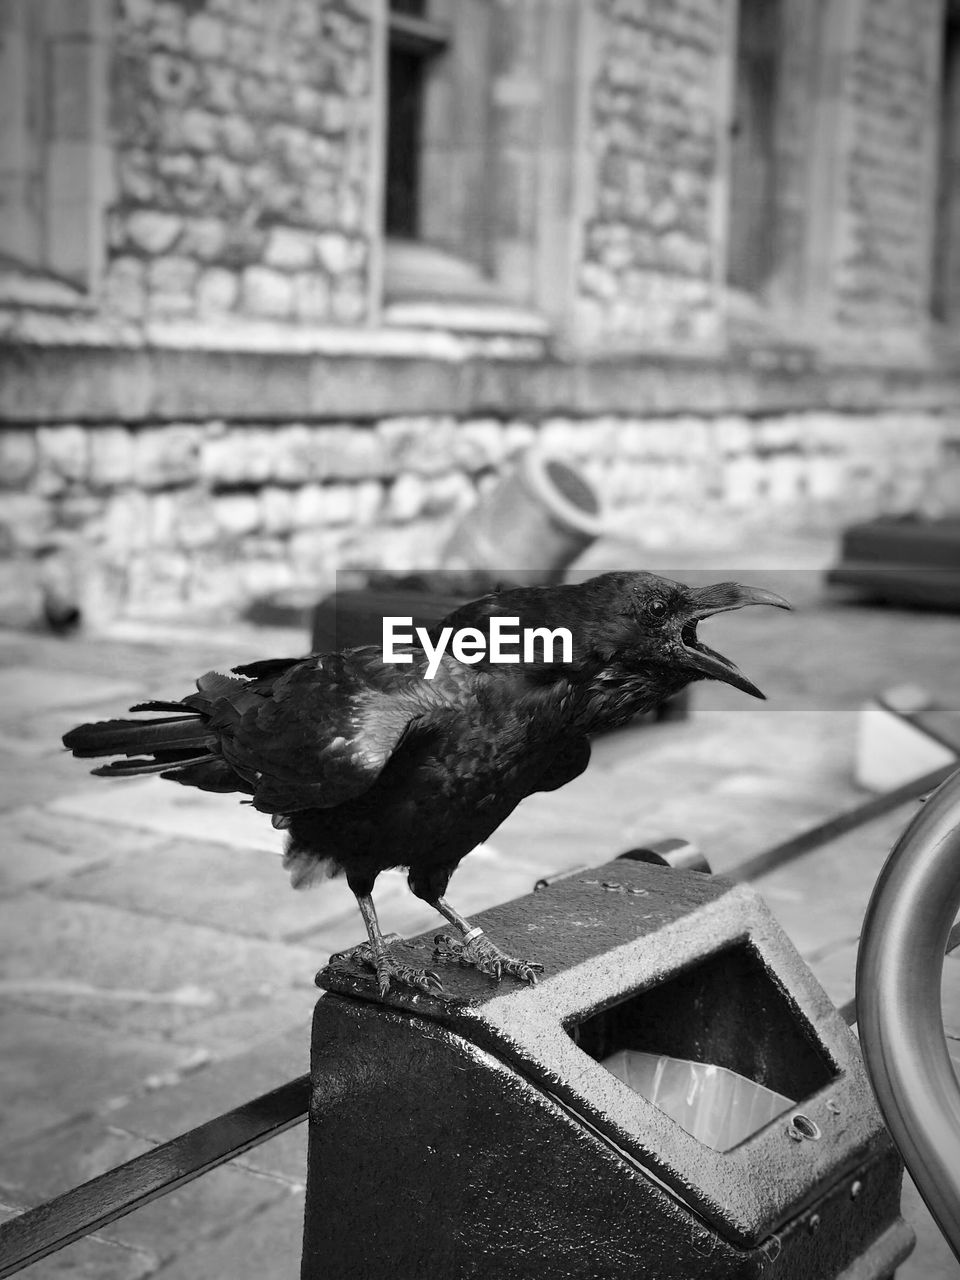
(369, 764)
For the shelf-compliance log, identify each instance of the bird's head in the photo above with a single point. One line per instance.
(645, 626)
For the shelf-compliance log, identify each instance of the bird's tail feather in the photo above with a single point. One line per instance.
(181, 747)
(131, 768)
(136, 737)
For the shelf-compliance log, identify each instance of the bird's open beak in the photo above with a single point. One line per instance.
(720, 597)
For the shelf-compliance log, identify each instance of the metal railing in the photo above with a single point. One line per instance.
(906, 931)
(38, 1232)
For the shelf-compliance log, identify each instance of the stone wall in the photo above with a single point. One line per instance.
(648, 258)
(198, 517)
(884, 255)
(242, 155)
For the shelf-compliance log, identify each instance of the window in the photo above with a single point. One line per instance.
(414, 41)
(945, 294)
(750, 257)
(55, 167)
(452, 191)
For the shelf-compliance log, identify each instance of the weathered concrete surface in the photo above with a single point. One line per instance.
(157, 969)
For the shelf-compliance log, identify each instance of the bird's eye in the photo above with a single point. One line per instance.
(657, 610)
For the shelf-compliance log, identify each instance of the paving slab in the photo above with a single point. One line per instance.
(821, 899)
(26, 780)
(237, 890)
(162, 1114)
(166, 808)
(21, 693)
(43, 1086)
(266, 1246)
(118, 970)
(90, 1259)
(37, 1170)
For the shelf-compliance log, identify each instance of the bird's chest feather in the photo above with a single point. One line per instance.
(444, 794)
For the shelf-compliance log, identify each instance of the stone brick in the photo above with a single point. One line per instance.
(203, 237)
(732, 434)
(334, 252)
(18, 456)
(349, 299)
(167, 455)
(25, 521)
(480, 443)
(240, 456)
(267, 292)
(263, 575)
(743, 481)
(519, 435)
(171, 283)
(206, 36)
(222, 180)
(157, 581)
(406, 497)
(21, 593)
(220, 86)
(172, 79)
(237, 513)
(428, 445)
(315, 552)
(63, 449)
(163, 520)
(369, 498)
(451, 492)
(135, 13)
(126, 524)
(153, 231)
(324, 504)
(276, 509)
(328, 452)
(111, 457)
(195, 518)
(289, 249)
(217, 290)
(199, 129)
(785, 478)
(311, 295)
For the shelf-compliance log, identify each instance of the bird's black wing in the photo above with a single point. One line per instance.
(325, 727)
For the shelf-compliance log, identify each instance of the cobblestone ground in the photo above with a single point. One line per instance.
(158, 970)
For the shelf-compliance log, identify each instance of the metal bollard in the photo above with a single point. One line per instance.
(482, 1135)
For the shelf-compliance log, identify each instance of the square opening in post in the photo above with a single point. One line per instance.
(718, 1046)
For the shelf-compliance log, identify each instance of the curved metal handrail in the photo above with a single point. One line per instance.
(899, 974)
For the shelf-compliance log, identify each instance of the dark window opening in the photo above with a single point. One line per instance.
(945, 290)
(414, 40)
(727, 1010)
(750, 256)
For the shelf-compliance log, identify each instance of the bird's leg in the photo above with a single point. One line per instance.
(475, 949)
(375, 954)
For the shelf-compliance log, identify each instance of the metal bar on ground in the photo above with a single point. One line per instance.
(840, 824)
(38, 1232)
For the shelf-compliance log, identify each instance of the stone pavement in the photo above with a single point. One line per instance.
(157, 969)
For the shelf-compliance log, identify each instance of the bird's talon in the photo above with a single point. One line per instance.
(485, 956)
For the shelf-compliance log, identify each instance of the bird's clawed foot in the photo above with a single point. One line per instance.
(389, 969)
(478, 952)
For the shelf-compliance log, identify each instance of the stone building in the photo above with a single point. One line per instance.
(283, 285)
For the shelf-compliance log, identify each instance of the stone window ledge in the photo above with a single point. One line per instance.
(426, 287)
(22, 285)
